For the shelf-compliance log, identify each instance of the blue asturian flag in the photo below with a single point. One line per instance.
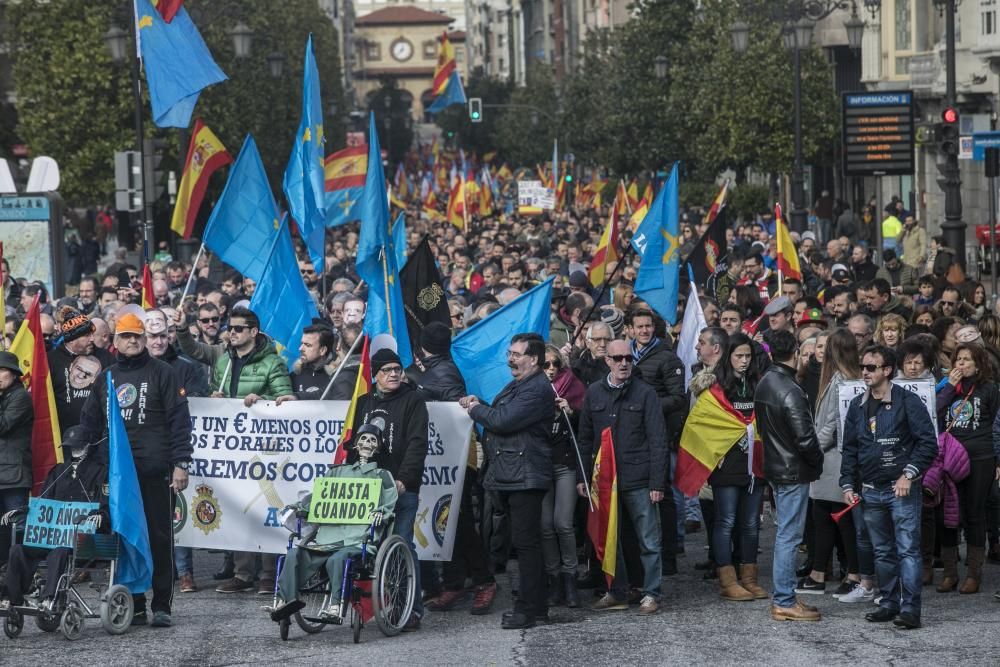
(305, 173)
(398, 240)
(178, 64)
(281, 300)
(128, 518)
(453, 93)
(245, 219)
(376, 261)
(657, 240)
(480, 352)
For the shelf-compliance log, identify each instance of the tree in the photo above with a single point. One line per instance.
(392, 121)
(525, 136)
(479, 137)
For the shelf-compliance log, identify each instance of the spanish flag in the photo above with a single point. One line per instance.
(444, 67)
(46, 438)
(361, 387)
(788, 258)
(602, 520)
(717, 204)
(633, 193)
(205, 154)
(148, 300)
(622, 204)
(505, 174)
(346, 168)
(456, 204)
(712, 428)
(641, 209)
(486, 194)
(607, 252)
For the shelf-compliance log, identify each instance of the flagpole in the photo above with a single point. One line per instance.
(576, 448)
(194, 269)
(604, 287)
(224, 374)
(385, 282)
(3, 307)
(343, 361)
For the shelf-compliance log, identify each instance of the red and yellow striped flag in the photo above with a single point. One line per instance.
(205, 154)
(788, 259)
(444, 67)
(456, 204)
(712, 428)
(602, 520)
(148, 300)
(361, 387)
(46, 438)
(607, 252)
(717, 204)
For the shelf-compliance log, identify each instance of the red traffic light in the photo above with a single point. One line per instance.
(950, 115)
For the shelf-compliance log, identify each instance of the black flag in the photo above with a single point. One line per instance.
(423, 293)
(708, 252)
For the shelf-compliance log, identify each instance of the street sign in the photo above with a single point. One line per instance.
(532, 194)
(878, 133)
(965, 148)
(32, 233)
(983, 140)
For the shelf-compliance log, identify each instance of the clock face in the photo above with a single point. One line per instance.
(402, 50)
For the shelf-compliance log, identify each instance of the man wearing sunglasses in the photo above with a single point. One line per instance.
(208, 323)
(631, 410)
(889, 443)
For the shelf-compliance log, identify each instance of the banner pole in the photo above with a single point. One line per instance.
(576, 448)
(194, 269)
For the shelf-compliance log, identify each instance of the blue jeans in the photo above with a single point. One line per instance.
(183, 560)
(894, 526)
(791, 503)
(646, 520)
(866, 555)
(406, 515)
(739, 511)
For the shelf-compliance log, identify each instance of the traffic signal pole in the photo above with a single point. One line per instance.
(953, 227)
(146, 214)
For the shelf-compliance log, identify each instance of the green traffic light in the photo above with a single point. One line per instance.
(569, 178)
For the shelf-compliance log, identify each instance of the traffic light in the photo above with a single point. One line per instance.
(155, 177)
(476, 109)
(569, 177)
(947, 134)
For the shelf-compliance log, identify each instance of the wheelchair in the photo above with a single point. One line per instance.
(378, 584)
(68, 610)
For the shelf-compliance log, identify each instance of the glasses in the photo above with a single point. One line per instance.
(391, 370)
(871, 368)
(552, 364)
(457, 316)
(619, 358)
(511, 354)
(600, 339)
(948, 303)
(209, 320)
(238, 328)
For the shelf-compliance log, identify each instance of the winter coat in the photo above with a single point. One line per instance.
(309, 380)
(190, 374)
(516, 435)
(262, 372)
(404, 419)
(784, 421)
(827, 487)
(914, 242)
(439, 381)
(940, 481)
(663, 370)
(632, 412)
(588, 369)
(16, 418)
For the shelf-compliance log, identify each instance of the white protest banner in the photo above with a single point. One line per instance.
(534, 194)
(249, 463)
(922, 388)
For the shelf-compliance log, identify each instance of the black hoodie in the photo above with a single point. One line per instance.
(403, 417)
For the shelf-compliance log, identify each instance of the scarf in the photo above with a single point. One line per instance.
(637, 354)
(569, 387)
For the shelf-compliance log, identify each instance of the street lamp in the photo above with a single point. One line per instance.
(740, 32)
(855, 28)
(660, 67)
(276, 64)
(115, 38)
(242, 36)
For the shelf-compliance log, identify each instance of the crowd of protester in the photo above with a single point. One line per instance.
(869, 511)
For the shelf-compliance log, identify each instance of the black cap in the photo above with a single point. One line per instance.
(436, 338)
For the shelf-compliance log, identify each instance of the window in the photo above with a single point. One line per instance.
(501, 41)
(904, 25)
(430, 50)
(988, 21)
(373, 51)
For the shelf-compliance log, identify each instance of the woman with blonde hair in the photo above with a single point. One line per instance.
(889, 331)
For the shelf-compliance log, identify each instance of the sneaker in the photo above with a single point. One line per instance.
(483, 600)
(810, 586)
(161, 619)
(845, 587)
(187, 584)
(139, 618)
(265, 587)
(857, 594)
(648, 606)
(234, 585)
(445, 601)
(609, 603)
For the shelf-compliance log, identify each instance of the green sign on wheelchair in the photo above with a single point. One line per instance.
(344, 499)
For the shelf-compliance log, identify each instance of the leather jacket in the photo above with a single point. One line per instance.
(791, 451)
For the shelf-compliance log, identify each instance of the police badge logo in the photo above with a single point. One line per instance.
(127, 394)
(207, 514)
(429, 297)
(442, 508)
(180, 513)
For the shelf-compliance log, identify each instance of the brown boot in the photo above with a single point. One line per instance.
(797, 612)
(748, 580)
(729, 588)
(974, 569)
(949, 579)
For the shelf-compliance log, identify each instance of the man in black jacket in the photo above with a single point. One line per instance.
(792, 459)
(401, 413)
(155, 411)
(315, 366)
(663, 370)
(516, 431)
(889, 443)
(631, 409)
(437, 378)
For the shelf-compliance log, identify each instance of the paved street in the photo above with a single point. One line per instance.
(695, 627)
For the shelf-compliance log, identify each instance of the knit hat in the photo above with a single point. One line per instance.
(74, 324)
(384, 357)
(436, 338)
(129, 323)
(614, 318)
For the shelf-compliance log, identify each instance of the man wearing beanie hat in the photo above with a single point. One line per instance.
(154, 409)
(401, 413)
(74, 337)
